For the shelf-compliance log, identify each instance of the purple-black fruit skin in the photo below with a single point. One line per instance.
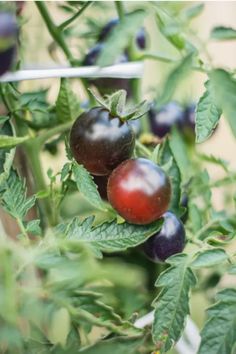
(162, 120)
(141, 39)
(8, 32)
(101, 142)
(136, 126)
(101, 182)
(6, 60)
(168, 241)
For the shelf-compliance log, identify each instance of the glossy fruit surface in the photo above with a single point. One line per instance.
(141, 38)
(162, 121)
(168, 241)
(8, 34)
(139, 190)
(101, 142)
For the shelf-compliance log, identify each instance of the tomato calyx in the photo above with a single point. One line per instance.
(116, 103)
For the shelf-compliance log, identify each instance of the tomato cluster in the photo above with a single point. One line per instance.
(137, 188)
(173, 114)
(108, 85)
(8, 35)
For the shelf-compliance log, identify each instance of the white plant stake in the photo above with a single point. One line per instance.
(133, 70)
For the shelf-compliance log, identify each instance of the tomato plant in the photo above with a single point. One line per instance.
(111, 238)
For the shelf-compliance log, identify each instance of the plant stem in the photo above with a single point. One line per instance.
(143, 148)
(120, 9)
(46, 135)
(54, 30)
(33, 152)
(66, 23)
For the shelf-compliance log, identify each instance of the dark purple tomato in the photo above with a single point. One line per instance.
(100, 141)
(6, 60)
(162, 121)
(8, 37)
(139, 191)
(106, 30)
(141, 38)
(168, 241)
(101, 182)
(107, 85)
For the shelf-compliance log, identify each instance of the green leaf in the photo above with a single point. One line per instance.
(224, 88)
(195, 217)
(121, 36)
(215, 160)
(67, 104)
(207, 115)
(219, 334)
(11, 141)
(59, 327)
(172, 303)
(108, 236)
(170, 28)
(34, 228)
(118, 345)
(87, 187)
(167, 158)
(193, 11)
(223, 33)
(180, 153)
(14, 199)
(174, 78)
(6, 155)
(209, 258)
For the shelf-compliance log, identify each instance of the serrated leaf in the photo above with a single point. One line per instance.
(11, 141)
(209, 258)
(167, 159)
(193, 11)
(180, 153)
(121, 36)
(117, 102)
(219, 334)
(14, 199)
(224, 88)
(87, 187)
(207, 115)
(172, 303)
(174, 78)
(67, 104)
(6, 155)
(118, 345)
(34, 228)
(108, 236)
(223, 33)
(215, 160)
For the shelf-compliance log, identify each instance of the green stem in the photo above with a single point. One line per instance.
(66, 23)
(33, 153)
(43, 137)
(143, 149)
(120, 9)
(54, 30)
(22, 229)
